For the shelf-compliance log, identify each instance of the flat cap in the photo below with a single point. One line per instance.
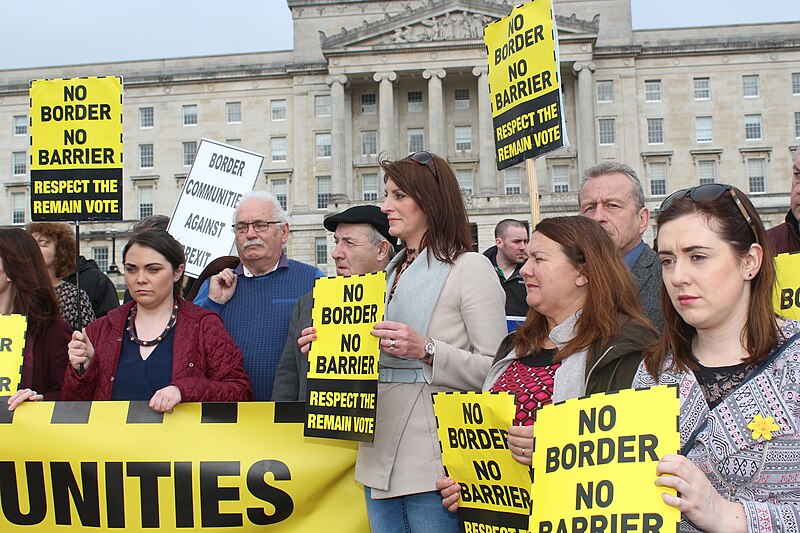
(362, 214)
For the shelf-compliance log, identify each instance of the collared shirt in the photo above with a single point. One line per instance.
(631, 257)
(242, 270)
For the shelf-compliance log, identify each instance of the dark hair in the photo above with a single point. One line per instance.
(448, 234)
(163, 243)
(760, 334)
(152, 222)
(24, 265)
(213, 268)
(502, 227)
(610, 291)
(63, 237)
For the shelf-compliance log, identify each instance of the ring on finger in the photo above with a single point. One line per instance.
(391, 344)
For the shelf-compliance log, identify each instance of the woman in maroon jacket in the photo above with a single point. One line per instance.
(25, 289)
(157, 347)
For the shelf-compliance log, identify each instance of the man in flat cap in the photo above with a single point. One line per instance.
(363, 246)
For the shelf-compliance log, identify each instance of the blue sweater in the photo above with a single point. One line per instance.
(258, 316)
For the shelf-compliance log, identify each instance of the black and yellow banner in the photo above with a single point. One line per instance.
(119, 466)
(76, 149)
(786, 298)
(343, 361)
(12, 344)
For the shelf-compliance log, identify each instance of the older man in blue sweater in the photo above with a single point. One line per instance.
(256, 298)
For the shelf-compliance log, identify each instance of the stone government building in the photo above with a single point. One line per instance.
(682, 106)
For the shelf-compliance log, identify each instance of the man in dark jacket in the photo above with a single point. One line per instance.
(98, 286)
(785, 237)
(508, 256)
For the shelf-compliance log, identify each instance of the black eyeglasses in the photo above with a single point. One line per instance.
(710, 191)
(259, 226)
(425, 158)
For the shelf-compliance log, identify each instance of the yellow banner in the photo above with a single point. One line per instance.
(12, 344)
(595, 460)
(786, 298)
(118, 466)
(473, 434)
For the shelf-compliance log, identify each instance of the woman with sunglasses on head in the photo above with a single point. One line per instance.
(736, 365)
(158, 347)
(25, 289)
(445, 316)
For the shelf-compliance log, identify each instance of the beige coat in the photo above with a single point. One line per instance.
(467, 326)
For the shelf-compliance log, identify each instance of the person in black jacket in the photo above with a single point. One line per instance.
(98, 286)
(507, 257)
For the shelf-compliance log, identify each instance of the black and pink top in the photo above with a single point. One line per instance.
(530, 378)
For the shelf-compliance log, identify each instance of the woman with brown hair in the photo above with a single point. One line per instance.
(584, 333)
(57, 242)
(25, 289)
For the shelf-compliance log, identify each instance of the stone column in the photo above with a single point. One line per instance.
(487, 168)
(338, 145)
(386, 134)
(436, 120)
(585, 127)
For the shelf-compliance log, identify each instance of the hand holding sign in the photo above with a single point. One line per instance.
(23, 396)
(307, 336)
(450, 491)
(400, 340)
(520, 442)
(80, 350)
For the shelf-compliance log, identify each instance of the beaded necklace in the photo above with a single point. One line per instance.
(173, 317)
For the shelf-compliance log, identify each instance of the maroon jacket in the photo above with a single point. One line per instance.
(784, 237)
(206, 363)
(45, 358)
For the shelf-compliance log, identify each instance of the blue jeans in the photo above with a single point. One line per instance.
(415, 513)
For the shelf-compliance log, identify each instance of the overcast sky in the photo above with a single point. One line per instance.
(58, 32)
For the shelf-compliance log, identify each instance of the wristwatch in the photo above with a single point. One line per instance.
(430, 351)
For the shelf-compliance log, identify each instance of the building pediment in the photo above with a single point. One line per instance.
(438, 23)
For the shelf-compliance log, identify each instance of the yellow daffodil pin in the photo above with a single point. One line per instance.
(763, 427)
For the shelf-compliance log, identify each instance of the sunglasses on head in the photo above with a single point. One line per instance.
(710, 191)
(425, 158)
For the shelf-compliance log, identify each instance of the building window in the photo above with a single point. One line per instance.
(146, 117)
(278, 109)
(752, 127)
(750, 86)
(797, 125)
(652, 90)
(605, 91)
(322, 141)
(369, 142)
(560, 175)
(464, 177)
(658, 179)
(145, 156)
(607, 131)
(145, 201)
(189, 115)
(277, 148)
(234, 112)
(278, 188)
(369, 187)
(513, 180)
(19, 163)
(323, 191)
(18, 207)
(706, 172)
(702, 88)
(463, 138)
(416, 140)
(100, 256)
(703, 129)
(20, 125)
(756, 175)
(322, 105)
(321, 246)
(796, 83)
(415, 101)
(234, 142)
(189, 151)
(655, 131)
(369, 104)
(462, 99)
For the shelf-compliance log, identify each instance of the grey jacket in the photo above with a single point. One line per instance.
(646, 273)
(290, 376)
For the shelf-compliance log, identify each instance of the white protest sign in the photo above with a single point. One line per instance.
(219, 177)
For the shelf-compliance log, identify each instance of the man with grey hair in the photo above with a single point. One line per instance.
(363, 245)
(256, 298)
(612, 194)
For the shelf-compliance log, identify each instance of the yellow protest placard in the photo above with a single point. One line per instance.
(12, 344)
(473, 434)
(786, 298)
(594, 462)
(524, 83)
(76, 149)
(343, 361)
(118, 466)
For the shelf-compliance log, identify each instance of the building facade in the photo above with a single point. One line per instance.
(369, 79)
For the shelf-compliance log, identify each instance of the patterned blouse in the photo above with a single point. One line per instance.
(68, 305)
(530, 378)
